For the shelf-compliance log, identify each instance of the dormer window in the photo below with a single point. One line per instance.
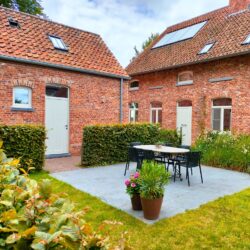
(206, 48)
(58, 43)
(247, 41)
(14, 23)
(185, 78)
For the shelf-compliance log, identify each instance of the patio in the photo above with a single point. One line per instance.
(107, 183)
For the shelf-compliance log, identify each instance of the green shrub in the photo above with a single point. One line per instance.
(32, 217)
(225, 150)
(171, 136)
(152, 180)
(26, 142)
(109, 144)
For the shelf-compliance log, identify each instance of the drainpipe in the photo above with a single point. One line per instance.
(121, 100)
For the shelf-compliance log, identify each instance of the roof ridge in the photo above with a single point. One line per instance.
(198, 17)
(48, 20)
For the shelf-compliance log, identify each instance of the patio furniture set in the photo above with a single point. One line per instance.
(166, 154)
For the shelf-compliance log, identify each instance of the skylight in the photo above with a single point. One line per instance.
(206, 48)
(180, 35)
(247, 41)
(13, 23)
(58, 43)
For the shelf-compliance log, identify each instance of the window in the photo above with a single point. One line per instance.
(221, 114)
(180, 35)
(22, 97)
(156, 112)
(13, 23)
(206, 48)
(133, 112)
(247, 41)
(134, 85)
(185, 78)
(55, 91)
(58, 43)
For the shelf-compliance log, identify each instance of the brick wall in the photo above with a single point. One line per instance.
(201, 93)
(238, 5)
(93, 99)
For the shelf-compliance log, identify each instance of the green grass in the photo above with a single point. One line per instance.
(222, 224)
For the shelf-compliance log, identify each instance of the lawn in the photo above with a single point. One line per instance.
(222, 224)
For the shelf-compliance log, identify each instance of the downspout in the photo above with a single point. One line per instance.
(121, 100)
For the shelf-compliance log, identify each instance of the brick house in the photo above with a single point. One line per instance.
(59, 76)
(196, 75)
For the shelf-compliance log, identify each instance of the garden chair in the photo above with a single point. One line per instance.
(192, 160)
(132, 155)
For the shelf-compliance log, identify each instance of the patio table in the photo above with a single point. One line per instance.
(163, 149)
(166, 150)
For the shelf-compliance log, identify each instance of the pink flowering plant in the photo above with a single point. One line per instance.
(132, 184)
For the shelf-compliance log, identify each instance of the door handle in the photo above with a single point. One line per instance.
(66, 126)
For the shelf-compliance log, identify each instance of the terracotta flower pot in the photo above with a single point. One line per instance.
(136, 202)
(151, 208)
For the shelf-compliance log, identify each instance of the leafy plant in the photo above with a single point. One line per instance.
(152, 180)
(32, 217)
(170, 136)
(26, 142)
(132, 184)
(225, 150)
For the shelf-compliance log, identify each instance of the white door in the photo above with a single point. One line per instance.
(56, 120)
(184, 123)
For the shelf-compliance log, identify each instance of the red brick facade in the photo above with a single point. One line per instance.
(201, 93)
(93, 99)
(238, 5)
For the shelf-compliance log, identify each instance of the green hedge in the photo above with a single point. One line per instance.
(171, 136)
(26, 142)
(225, 150)
(108, 144)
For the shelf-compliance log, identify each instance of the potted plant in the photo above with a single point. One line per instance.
(152, 180)
(133, 189)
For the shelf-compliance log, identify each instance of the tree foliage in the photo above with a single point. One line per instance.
(28, 6)
(146, 43)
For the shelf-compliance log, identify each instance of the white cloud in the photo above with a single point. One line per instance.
(124, 24)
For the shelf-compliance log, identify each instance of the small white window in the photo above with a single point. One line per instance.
(221, 114)
(247, 41)
(156, 112)
(134, 85)
(206, 48)
(58, 43)
(133, 112)
(22, 97)
(185, 78)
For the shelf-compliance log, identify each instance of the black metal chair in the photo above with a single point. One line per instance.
(192, 160)
(132, 155)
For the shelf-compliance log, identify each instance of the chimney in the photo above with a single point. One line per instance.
(238, 5)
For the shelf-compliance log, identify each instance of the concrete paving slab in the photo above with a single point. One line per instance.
(107, 183)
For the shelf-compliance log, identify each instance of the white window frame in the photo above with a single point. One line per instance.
(247, 40)
(157, 113)
(188, 82)
(20, 105)
(134, 109)
(206, 48)
(222, 112)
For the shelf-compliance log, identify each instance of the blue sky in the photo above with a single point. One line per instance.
(124, 24)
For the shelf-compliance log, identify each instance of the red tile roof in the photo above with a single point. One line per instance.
(87, 50)
(226, 28)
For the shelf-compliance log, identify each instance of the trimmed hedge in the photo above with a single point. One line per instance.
(26, 142)
(104, 145)
(171, 136)
(225, 150)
